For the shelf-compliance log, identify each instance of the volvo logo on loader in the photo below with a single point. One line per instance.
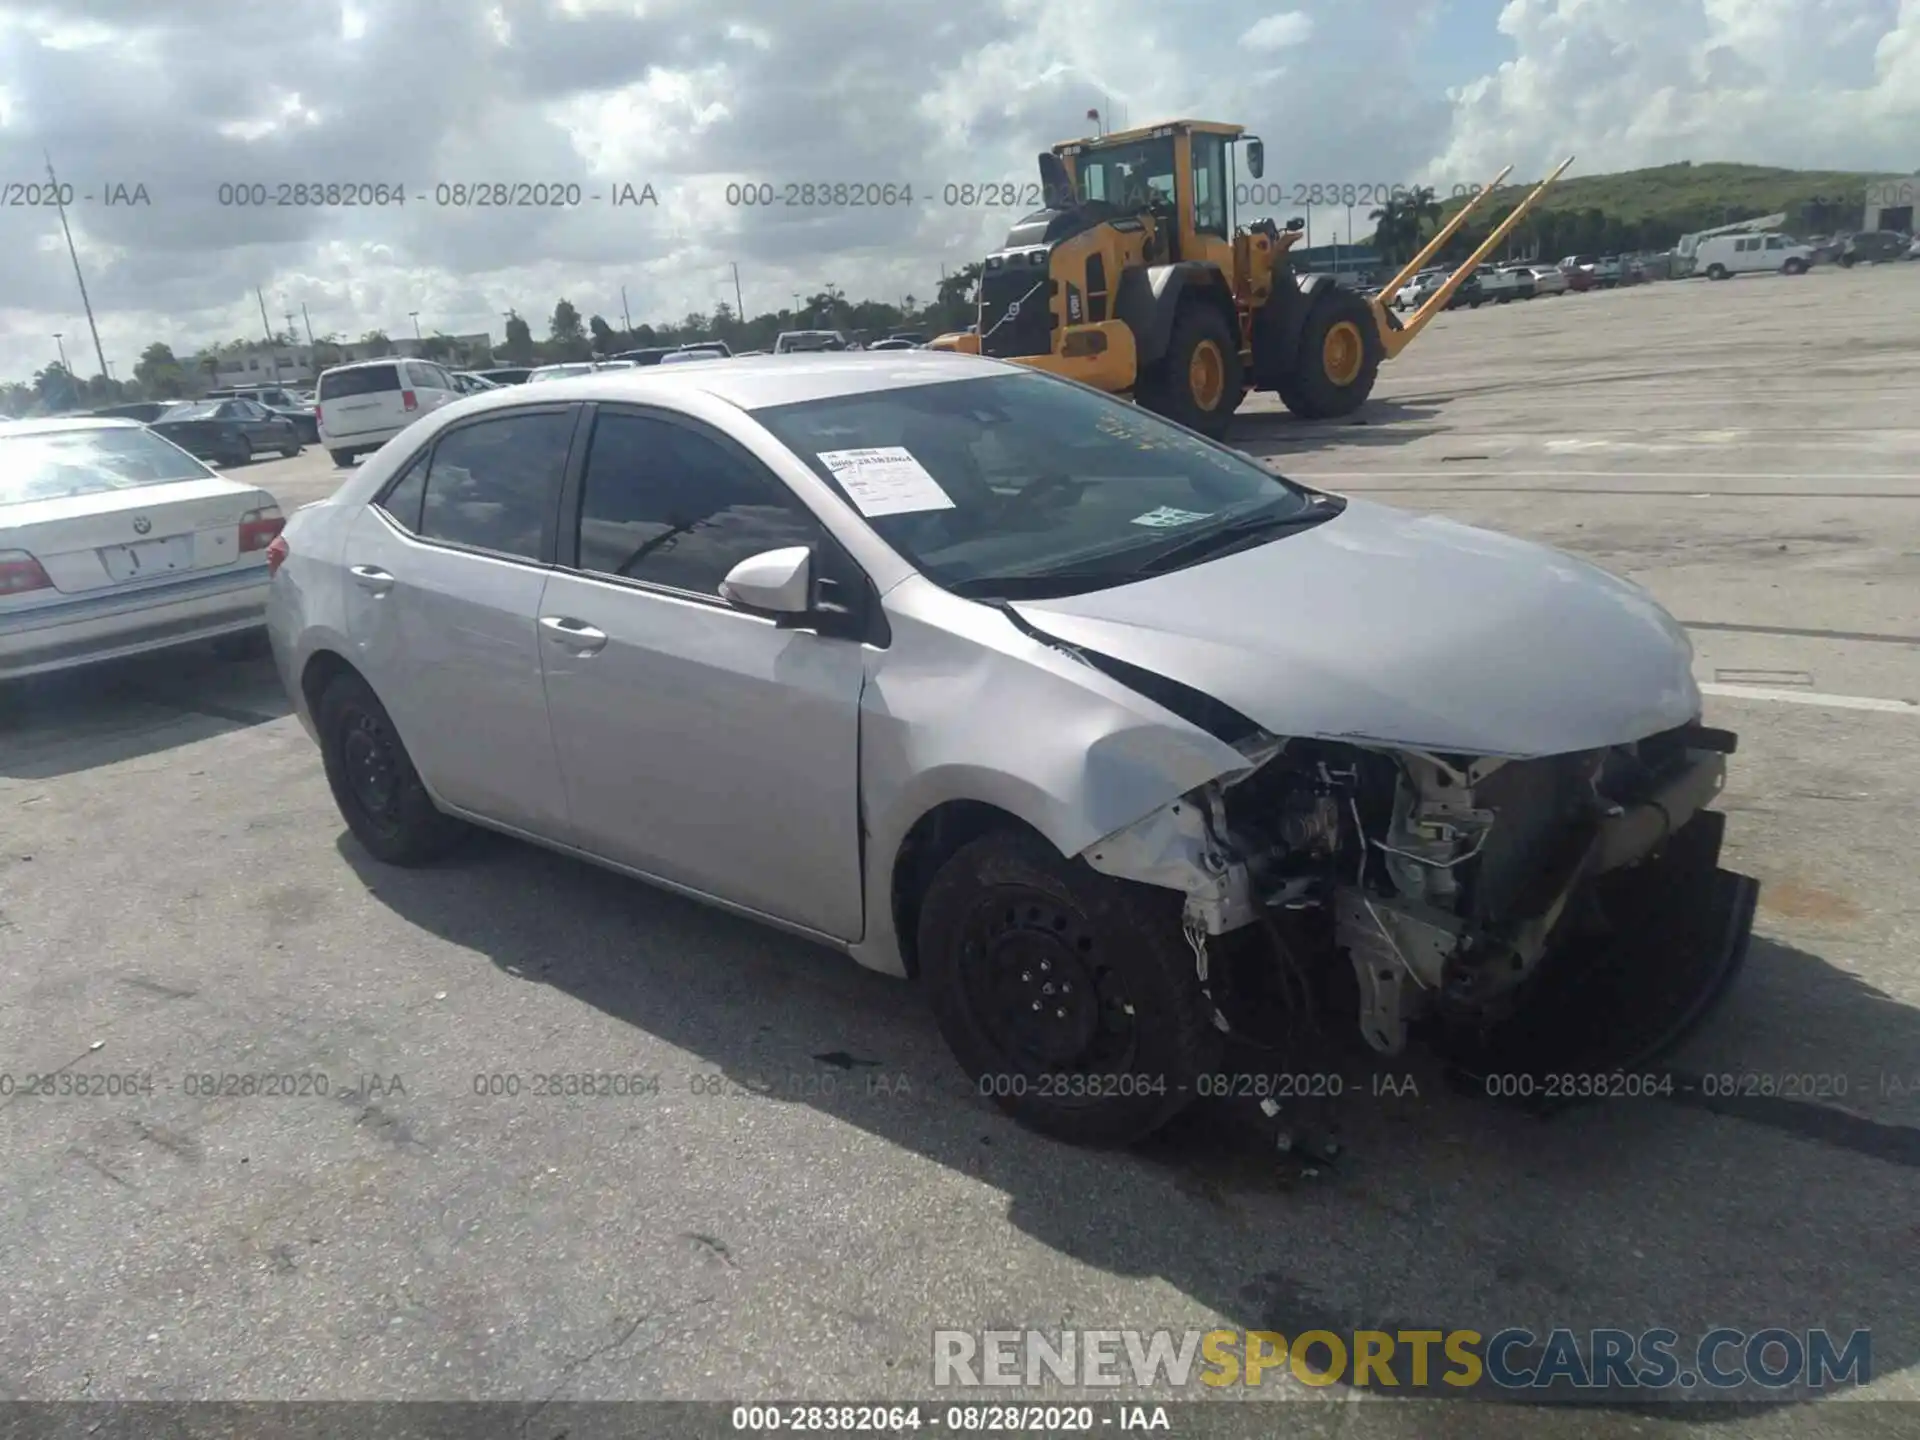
(1172, 301)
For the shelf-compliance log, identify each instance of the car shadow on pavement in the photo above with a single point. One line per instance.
(77, 720)
(1437, 1210)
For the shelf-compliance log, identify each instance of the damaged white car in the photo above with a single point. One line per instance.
(1116, 741)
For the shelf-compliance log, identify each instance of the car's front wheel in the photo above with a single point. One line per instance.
(373, 780)
(1070, 998)
(341, 458)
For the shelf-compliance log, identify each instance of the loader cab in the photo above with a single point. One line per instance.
(1181, 173)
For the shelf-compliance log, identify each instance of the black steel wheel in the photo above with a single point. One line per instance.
(373, 780)
(1070, 998)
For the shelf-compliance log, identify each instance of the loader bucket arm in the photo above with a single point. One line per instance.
(1396, 337)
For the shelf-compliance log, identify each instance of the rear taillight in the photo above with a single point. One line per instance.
(409, 399)
(316, 414)
(259, 527)
(20, 572)
(276, 555)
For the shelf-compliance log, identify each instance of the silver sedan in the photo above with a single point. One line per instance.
(1118, 742)
(114, 541)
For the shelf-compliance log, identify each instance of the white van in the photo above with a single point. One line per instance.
(359, 407)
(1721, 257)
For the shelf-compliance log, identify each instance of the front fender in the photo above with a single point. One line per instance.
(965, 706)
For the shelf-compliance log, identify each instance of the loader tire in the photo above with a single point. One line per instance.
(1338, 361)
(1199, 383)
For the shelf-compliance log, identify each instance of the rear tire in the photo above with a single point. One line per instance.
(1006, 918)
(341, 458)
(1199, 383)
(373, 780)
(287, 452)
(1324, 395)
(1717, 272)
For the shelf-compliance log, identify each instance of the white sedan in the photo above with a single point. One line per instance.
(114, 541)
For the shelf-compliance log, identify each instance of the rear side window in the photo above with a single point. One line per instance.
(365, 380)
(492, 485)
(403, 498)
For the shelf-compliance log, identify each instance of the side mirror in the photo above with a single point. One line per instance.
(1256, 158)
(1296, 224)
(775, 583)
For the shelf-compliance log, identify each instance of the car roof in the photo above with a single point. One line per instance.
(362, 364)
(51, 423)
(757, 382)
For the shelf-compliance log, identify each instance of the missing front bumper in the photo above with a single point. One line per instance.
(1618, 1001)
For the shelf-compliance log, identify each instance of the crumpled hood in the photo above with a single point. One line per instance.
(1404, 630)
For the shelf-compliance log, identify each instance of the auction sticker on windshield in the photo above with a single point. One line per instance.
(886, 480)
(1165, 517)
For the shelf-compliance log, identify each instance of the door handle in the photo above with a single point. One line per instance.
(372, 579)
(575, 635)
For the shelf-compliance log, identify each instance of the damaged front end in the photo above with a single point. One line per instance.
(1566, 914)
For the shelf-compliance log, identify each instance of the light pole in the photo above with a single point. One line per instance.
(63, 351)
(414, 315)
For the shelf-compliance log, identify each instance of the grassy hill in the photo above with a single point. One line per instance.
(1648, 210)
(1713, 189)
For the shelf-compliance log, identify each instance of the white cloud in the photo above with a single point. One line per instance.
(1831, 84)
(1279, 32)
(689, 94)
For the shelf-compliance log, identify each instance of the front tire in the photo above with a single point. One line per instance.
(373, 780)
(1795, 266)
(1070, 998)
(1199, 383)
(1339, 358)
(1717, 272)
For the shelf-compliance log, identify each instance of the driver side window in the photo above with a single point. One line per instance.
(667, 505)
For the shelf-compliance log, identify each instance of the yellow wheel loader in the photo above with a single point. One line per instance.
(1135, 277)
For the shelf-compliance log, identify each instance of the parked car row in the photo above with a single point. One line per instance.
(224, 431)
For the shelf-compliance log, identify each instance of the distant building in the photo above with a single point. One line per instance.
(295, 365)
(1890, 204)
(1347, 262)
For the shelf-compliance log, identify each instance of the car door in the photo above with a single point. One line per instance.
(263, 432)
(444, 572)
(701, 745)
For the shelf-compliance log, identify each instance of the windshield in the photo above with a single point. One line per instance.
(56, 463)
(193, 410)
(1019, 484)
(1133, 177)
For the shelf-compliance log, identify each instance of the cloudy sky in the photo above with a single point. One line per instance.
(688, 96)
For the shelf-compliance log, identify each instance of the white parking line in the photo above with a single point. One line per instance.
(1812, 697)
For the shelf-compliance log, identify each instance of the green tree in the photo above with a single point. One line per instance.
(567, 333)
(605, 342)
(56, 388)
(159, 373)
(375, 342)
(958, 305)
(518, 344)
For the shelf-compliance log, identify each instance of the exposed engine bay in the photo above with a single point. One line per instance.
(1442, 892)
